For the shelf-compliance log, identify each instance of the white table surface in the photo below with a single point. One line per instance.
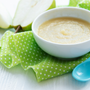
(18, 79)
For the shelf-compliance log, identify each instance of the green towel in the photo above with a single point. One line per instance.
(84, 4)
(80, 3)
(21, 48)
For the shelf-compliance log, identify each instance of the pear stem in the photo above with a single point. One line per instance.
(18, 28)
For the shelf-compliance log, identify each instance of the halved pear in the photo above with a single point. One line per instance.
(5, 18)
(28, 10)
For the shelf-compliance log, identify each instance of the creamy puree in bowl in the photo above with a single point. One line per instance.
(65, 30)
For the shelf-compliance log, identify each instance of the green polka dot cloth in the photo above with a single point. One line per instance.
(8, 55)
(80, 3)
(85, 4)
(21, 48)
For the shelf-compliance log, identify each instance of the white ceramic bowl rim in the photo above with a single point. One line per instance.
(53, 10)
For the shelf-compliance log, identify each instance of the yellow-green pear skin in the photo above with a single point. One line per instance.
(28, 27)
(53, 5)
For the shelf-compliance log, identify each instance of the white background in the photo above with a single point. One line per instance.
(18, 79)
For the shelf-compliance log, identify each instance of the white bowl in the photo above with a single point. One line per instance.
(62, 50)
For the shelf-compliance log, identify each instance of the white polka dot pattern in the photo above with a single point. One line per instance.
(7, 54)
(22, 48)
(84, 4)
(80, 3)
(27, 49)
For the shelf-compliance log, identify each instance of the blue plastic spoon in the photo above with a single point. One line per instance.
(82, 71)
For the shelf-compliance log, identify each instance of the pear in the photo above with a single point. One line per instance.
(5, 18)
(28, 10)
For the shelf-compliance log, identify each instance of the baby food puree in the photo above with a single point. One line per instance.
(65, 30)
